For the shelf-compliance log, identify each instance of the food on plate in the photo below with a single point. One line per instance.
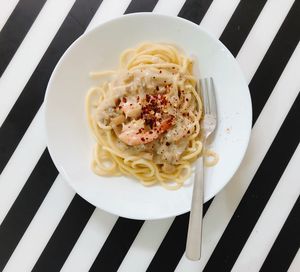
(146, 117)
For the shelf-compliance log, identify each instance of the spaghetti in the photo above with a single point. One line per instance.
(146, 117)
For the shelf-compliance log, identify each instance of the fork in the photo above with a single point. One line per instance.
(208, 125)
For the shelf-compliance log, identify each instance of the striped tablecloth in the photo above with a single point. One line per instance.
(251, 225)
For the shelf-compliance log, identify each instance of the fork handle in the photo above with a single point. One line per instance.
(194, 237)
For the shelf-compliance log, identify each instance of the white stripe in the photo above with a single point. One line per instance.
(41, 227)
(90, 242)
(108, 10)
(262, 34)
(7, 7)
(21, 164)
(218, 15)
(225, 203)
(164, 7)
(295, 265)
(30, 52)
(145, 245)
(271, 220)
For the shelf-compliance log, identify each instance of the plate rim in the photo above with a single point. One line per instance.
(95, 29)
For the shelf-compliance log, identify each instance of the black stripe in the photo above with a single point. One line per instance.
(25, 206)
(172, 247)
(117, 245)
(194, 10)
(275, 60)
(141, 6)
(286, 244)
(65, 236)
(257, 194)
(240, 24)
(163, 258)
(16, 28)
(31, 98)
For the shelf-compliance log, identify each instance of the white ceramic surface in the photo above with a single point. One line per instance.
(70, 141)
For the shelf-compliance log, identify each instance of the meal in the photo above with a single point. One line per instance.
(146, 117)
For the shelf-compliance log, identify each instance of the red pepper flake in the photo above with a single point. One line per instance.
(138, 98)
(124, 99)
(150, 132)
(143, 139)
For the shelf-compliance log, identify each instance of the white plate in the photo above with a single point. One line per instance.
(70, 141)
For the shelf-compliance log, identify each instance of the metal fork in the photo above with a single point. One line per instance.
(208, 125)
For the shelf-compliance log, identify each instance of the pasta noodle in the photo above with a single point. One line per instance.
(146, 117)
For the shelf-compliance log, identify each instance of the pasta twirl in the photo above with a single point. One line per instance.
(146, 117)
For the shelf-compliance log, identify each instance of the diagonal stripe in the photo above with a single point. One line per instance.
(167, 249)
(108, 10)
(194, 10)
(218, 16)
(32, 143)
(30, 52)
(90, 241)
(145, 245)
(164, 7)
(66, 234)
(271, 221)
(117, 244)
(16, 28)
(275, 60)
(173, 245)
(28, 103)
(7, 7)
(26, 205)
(141, 6)
(286, 244)
(41, 227)
(264, 31)
(257, 194)
(294, 267)
(238, 27)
